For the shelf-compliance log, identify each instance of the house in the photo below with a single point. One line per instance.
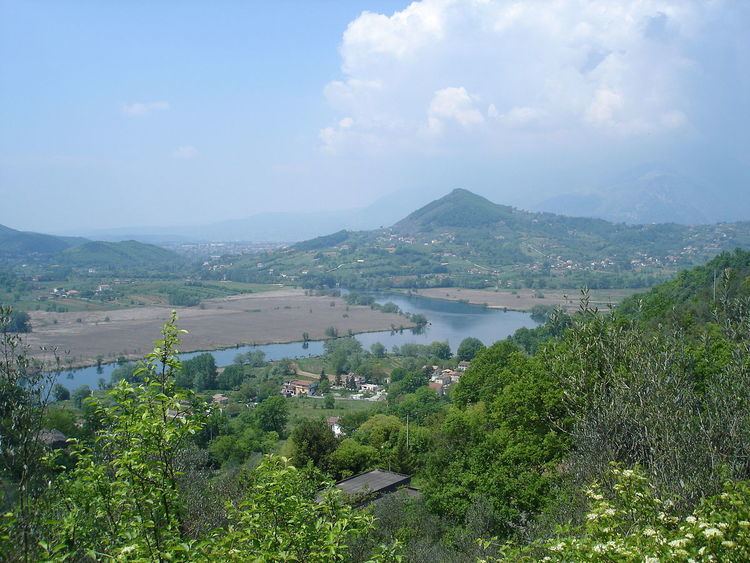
(53, 439)
(296, 388)
(335, 426)
(220, 399)
(436, 386)
(463, 365)
(370, 486)
(369, 387)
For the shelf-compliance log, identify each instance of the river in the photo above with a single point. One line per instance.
(448, 320)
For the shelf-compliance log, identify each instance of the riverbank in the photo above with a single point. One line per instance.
(275, 317)
(524, 300)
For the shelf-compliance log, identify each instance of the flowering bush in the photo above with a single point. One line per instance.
(632, 524)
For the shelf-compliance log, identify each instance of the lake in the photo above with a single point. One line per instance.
(448, 320)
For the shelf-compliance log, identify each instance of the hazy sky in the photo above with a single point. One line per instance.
(156, 112)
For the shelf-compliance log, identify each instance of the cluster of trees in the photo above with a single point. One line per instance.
(126, 493)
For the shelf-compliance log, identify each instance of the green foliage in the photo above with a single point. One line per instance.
(198, 373)
(502, 443)
(469, 348)
(19, 322)
(631, 523)
(121, 497)
(60, 392)
(312, 442)
(352, 457)
(281, 520)
(272, 414)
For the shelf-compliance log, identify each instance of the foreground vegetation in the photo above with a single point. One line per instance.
(621, 436)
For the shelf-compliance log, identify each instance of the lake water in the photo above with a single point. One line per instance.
(448, 320)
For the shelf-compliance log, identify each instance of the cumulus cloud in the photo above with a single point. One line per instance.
(495, 68)
(185, 152)
(453, 104)
(139, 109)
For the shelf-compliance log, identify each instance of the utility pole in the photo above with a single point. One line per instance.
(714, 285)
(407, 431)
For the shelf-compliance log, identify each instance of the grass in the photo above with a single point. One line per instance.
(305, 408)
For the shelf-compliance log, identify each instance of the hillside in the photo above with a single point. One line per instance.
(27, 247)
(694, 294)
(466, 240)
(119, 255)
(22, 244)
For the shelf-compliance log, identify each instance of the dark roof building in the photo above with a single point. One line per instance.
(367, 487)
(53, 439)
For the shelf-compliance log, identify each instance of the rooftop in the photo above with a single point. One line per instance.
(375, 481)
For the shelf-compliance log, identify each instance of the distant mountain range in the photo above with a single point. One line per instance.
(646, 196)
(465, 239)
(651, 193)
(278, 227)
(22, 246)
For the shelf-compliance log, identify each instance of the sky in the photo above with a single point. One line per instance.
(117, 114)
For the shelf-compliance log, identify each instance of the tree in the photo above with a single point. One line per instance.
(312, 442)
(60, 392)
(19, 322)
(352, 457)
(80, 394)
(441, 350)
(281, 519)
(469, 348)
(25, 388)
(329, 402)
(272, 414)
(121, 499)
(378, 350)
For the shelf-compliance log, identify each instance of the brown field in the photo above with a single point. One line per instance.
(277, 316)
(525, 299)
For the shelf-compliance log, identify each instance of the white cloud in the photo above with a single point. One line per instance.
(185, 152)
(138, 109)
(542, 68)
(453, 104)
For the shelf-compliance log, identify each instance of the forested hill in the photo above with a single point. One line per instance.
(119, 255)
(23, 245)
(28, 247)
(466, 240)
(694, 294)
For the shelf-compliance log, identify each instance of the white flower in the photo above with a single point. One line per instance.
(729, 544)
(678, 543)
(712, 532)
(691, 519)
(649, 532)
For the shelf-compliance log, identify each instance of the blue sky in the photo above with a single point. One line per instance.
(144, 113)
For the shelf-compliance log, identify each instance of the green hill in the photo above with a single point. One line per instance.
(694, 294)
(466, 240)
(119, 255)
(22, 244)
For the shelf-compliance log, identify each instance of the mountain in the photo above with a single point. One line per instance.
(278, 227)
(645, 196)
(20, 244)
(465, 239)
(119, 255)
(460, 208)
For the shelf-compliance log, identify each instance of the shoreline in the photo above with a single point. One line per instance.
(134, 358)
(505, 299)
